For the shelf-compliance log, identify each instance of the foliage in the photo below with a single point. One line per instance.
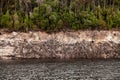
(6, 20)
(53, 15)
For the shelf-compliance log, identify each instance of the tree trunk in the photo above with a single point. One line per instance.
(1, 6)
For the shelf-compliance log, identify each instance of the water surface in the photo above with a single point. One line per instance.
(60, 70)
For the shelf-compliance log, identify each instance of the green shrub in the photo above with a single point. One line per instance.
(109, 20)
(35, 13)
(116, 20)
(43, 9)
(53, 17)
(16, 22)
(48, 10)
(26, 24)
(59, 24)
(6, 20)
(102, 24)
(68, 17)
(44, 24)
(75, 26)
(88, 20)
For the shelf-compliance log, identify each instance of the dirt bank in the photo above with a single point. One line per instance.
(62, 45)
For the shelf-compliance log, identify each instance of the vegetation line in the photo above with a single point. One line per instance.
(55, 15)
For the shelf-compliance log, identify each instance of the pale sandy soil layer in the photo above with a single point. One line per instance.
(62, 45)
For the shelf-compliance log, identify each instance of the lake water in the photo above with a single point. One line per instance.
(60, 70)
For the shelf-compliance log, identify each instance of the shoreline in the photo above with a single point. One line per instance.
(80, 44)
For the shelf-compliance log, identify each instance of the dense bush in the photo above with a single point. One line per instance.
(55, 15)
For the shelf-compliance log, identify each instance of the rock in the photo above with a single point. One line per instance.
(68, 45)
(14, 33)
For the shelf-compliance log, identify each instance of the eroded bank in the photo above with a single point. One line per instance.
(62, 45)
